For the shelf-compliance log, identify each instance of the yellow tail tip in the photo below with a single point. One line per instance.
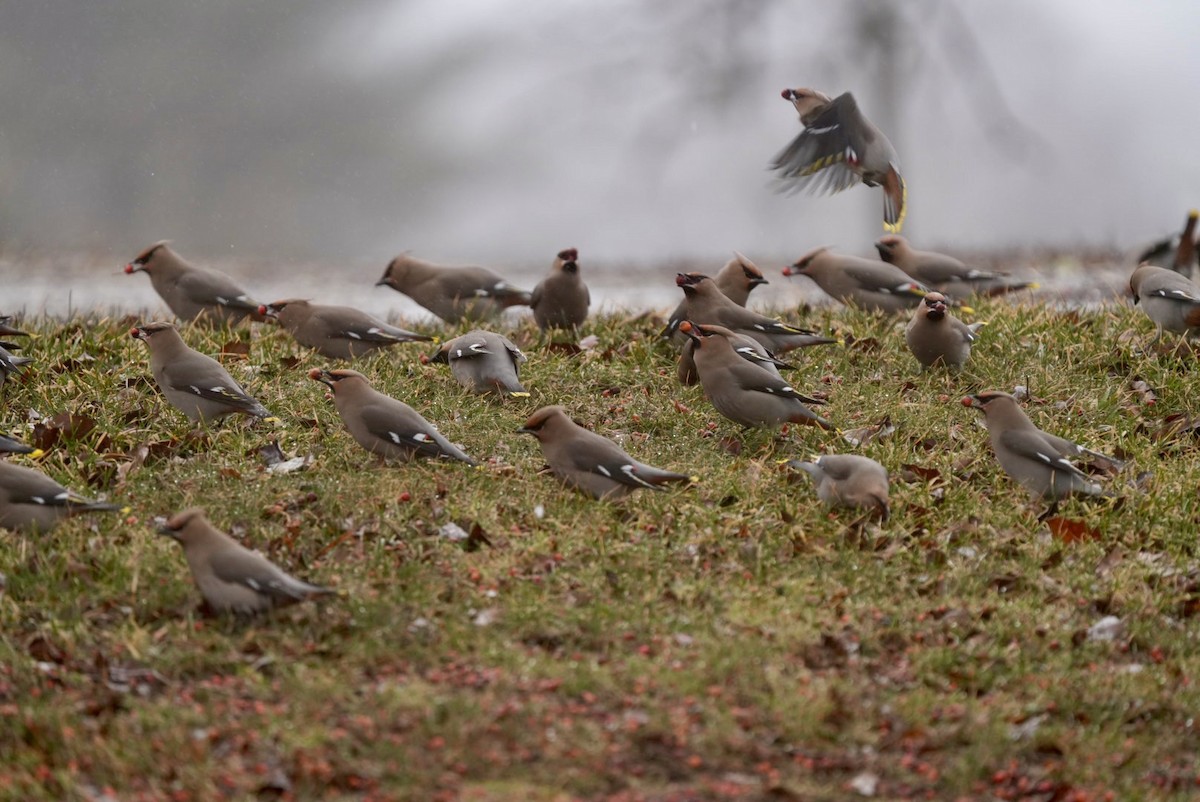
(37, 453)
(519, 395)
(1033, 285)
(272, 419)
(967, 310)
(126, 510)
(694, 479)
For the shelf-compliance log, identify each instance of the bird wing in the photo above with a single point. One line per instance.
(215, 386)
(752, 378)
(751, 354)
(870, 279)
(821, 156)
(366, 329)
(208, 288)
(514, 352)
(605, 458)
(1033, 445)
(1181, 290)
(387, 424)
(251, 569)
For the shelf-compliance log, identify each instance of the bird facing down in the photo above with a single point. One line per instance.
(30, 501)
(735, 280)
(838, 148)
(1167, 298)
(741, 390)
(1036, 460)
(592, 464)
(484, 362)
(561, 300)
(382, 425)
(336, 332)
(454, 294)
(746, 347)
(874, 286)
(704, 303)
(946, 274)
(232, 578)
(936, 336)
(194, 383)
(193, 293)
(848, 480)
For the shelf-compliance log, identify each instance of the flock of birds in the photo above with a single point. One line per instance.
(731, 351)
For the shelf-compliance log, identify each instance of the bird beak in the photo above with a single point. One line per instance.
(788, 94)
(323, 376)
(689, 329)
(132, 268)
(754, 282)
(524, 430)
(972, 401)
(268, 310)
(442, 355)
(167, 531)
(793, 270)
(137, 333)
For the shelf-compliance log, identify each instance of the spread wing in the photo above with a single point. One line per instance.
(821, 158)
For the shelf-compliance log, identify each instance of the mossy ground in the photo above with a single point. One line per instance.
(731, 640)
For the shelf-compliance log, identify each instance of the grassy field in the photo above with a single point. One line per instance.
(732, 640)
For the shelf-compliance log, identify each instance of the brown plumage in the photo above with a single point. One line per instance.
(194, 383)
(944, 273)
(592, 464)
(561, 300)
(838, 148)
(232, 578)
(746, 347)
(193, 293)
(452, 293)
(735, 280)
(30, 501)
(935, 336)
(874, 286)
(742, 391)
(336, 332)
(381, 424)
(704, 303)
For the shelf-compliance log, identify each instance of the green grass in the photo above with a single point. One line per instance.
(732, 640)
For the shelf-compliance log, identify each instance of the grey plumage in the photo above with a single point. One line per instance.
(9, 445)
(949, 276)
(381, 424)
(589, 462)
(742, 391)
(561, 300)
(735, 280)
(193, 293)
(194, 383)
(10, 363)
(336, 332)
(232, 578)
(30, 501)
(1178, 252)
(838, 148)
(1168, 298)
(452, 293)
(484, 362)
(1037, 460)
(935, 336)
(746, 347)
(870, 285)
(848, 480)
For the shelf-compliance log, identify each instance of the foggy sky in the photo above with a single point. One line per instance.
(504, 131)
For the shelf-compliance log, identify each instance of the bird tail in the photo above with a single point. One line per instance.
(895, 201)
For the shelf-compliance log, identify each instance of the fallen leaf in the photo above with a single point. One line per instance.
(235, 349)
(1071, 531)
(865, 434)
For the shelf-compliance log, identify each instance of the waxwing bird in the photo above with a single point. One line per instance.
(193, 293)
(1038, 461)
(30, 501)
(336, 332)
(194, 383)
(452, 293)
(590, 463)
(838, 148)
(561, 300)
(382, 425)
(484, 362)
(936, 336)
(1178, 252)
(947, 275)
(232, 578)
(874, 286)
(735, 281)
(741, 390)
(9, 445)
(746, 347)
(6, 328)
(1167, 298)
(10, 363)
(848, 480)
(704, 303)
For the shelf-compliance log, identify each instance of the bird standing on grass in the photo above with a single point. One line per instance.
(944, 273)
(193, 293)
(735, 280)
(590, 463)
(336, 332)
(704, 303)
(1037, 460)
(561, 300)
(452, 293)
(869, 285)
(838, 148)
(194, 383)
(936, 336)
(232, 578)
(746, 347)
(1168, 298)
(30, 501)
(381, 424)
(848, 480)
(484, 362)
(742, 391)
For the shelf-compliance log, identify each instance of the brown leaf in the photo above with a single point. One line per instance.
(732, 445)
(865, 434)
(235, 349)
(290, 362)
(918, 473)
(1069, 531)
(570, 349)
